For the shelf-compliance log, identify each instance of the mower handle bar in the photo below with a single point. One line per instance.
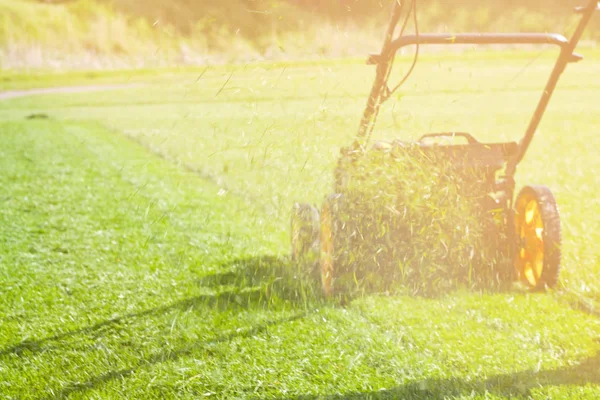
(480, 39)
(391, 46)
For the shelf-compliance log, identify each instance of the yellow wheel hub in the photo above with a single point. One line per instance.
(530, 230)
(326, 259)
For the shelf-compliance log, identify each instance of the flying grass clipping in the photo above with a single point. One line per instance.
(413, 218)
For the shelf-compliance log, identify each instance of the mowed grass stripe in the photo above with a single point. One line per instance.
(67, 192)
(100, 235)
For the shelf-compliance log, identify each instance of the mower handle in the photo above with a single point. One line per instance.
(384, 62)
(479, 38)
(567, 55)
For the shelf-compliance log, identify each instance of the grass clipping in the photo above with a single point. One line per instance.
(409, 218)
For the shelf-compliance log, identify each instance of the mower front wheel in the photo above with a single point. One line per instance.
(304, 227)
(537, 223)
(329, 239)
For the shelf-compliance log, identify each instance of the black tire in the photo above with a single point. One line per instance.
(538, 232)
(304, 232)
(507, 271)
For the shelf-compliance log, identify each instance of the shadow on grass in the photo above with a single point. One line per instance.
(271, 282)
(518, 385)
(281, 282)
(37, 345)
(166, 356)
(259, 282)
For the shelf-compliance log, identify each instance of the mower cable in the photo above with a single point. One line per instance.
(404, 25)
(415, 59)
(387, 92)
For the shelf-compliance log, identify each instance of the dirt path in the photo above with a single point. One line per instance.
(11, 94)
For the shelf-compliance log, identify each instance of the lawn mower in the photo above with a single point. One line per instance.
(529, 225)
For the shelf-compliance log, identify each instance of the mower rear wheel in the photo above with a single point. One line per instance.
(328, 241)
(304, 229)
(537, 223)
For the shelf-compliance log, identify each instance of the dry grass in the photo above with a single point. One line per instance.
(102, 34)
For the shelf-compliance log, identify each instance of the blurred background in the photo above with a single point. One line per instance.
(123, 33)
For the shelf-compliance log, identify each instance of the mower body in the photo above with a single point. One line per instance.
(525, 227)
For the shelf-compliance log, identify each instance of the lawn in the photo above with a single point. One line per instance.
(144, 241)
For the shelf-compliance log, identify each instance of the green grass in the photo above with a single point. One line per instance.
(143, 249)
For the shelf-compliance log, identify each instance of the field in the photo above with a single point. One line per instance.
(144, 236)
(95, 34)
